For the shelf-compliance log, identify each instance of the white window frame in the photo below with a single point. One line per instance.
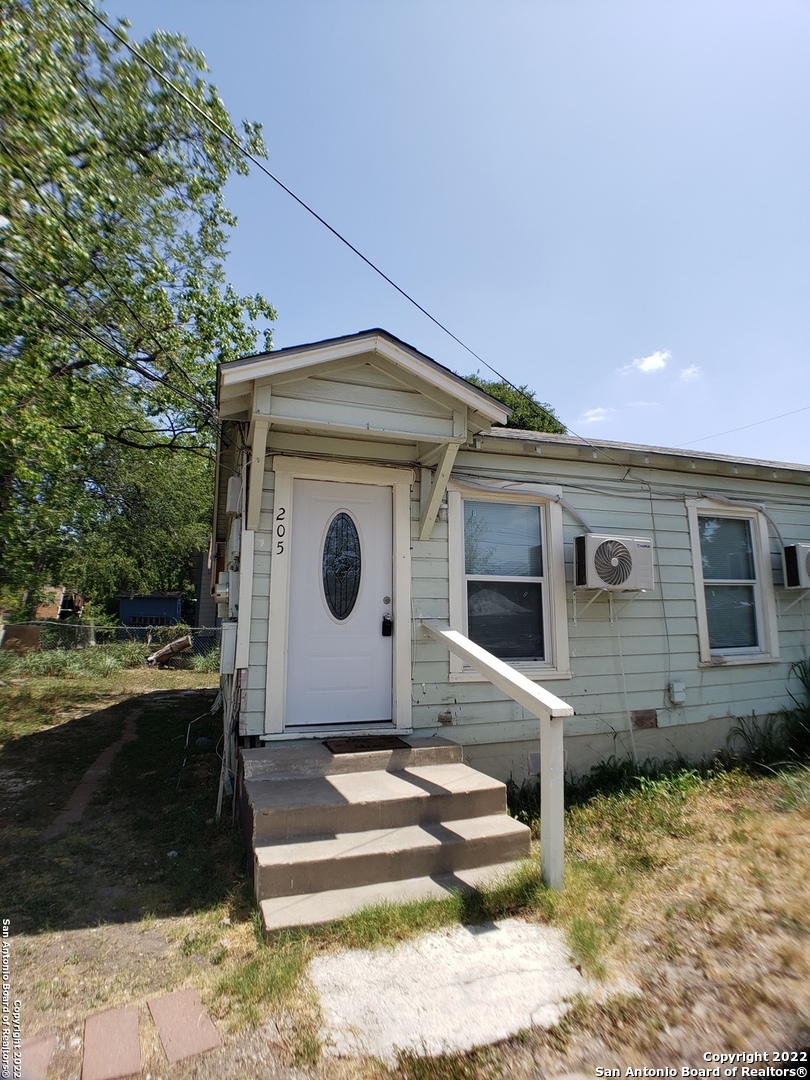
(767, 651)
(555, 616)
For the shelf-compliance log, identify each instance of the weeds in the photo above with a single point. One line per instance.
(782, 737)
(98, 661)
(477, 1065)
(795, 788)
(207, 663)
(271, 977)
(614, 776)
(670, 870)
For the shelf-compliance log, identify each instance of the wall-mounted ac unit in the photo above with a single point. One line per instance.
(222, 589)
(796, 558)
(613, 562)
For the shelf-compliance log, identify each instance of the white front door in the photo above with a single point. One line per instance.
(339, 659)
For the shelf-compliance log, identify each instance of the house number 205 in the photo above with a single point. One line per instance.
(281, 530)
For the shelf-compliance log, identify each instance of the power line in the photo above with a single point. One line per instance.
(743, 427)
(124, 360)
(42, 192)
(338, 235)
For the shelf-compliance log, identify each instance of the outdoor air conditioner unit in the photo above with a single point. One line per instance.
(796, 558)
(222, 589)
(613, 562)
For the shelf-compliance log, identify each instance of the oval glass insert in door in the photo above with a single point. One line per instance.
(341, 565)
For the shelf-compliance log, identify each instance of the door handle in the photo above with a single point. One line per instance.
(387, 625)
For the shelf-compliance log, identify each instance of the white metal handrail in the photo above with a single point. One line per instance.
(550, 711)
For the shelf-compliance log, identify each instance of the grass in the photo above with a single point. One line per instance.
(783, 737)
(99, 661)
(117, 861)
(206, 663)
(690, 884)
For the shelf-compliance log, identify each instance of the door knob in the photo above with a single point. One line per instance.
(387, 625)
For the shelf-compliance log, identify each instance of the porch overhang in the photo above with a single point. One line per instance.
(367, 387)
(290, 388)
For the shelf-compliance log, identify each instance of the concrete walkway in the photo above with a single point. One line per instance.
(447, 991)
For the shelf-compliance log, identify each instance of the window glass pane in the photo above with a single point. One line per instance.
(503, 539)
(731, 614)
(506, 618)
(341, 565)
(726, 549)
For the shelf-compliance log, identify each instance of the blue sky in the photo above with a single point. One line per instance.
(606, 199)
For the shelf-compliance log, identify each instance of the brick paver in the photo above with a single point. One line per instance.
(112, 1046)
(184, 1026)
(36, 1055)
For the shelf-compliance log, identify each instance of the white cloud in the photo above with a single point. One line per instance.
(689, 374)
(654, 362)
(595, 416)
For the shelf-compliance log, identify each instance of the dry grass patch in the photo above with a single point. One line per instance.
(691, 891)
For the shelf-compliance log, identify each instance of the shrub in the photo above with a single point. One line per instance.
(782, 737)
(206, 663)
(164, 635)
(96, 661)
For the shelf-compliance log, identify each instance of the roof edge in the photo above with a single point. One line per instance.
(495, 411)
(605, 446)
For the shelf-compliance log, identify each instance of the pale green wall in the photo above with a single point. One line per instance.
(654, 637)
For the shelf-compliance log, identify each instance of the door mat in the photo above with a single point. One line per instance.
(365, 743)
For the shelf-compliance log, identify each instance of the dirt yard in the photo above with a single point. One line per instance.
(695, 894)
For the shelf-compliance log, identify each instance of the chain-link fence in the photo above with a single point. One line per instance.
(66, 635)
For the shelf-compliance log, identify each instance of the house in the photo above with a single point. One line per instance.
(392, 561)
(59, 604)
(150, 609)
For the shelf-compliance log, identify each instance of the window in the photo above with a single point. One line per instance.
(507, 581)
(503, 569)
(733, 582)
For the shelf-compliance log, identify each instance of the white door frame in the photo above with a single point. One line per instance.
(288, 469)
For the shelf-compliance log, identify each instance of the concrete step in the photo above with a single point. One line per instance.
(352, 802)
(314, 909)
(309, 757)
(344, 860)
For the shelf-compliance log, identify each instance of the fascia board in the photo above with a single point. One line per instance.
(454, 386)
(295, 360)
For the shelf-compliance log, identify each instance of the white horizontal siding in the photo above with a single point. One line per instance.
(331, 391)
(253, 698)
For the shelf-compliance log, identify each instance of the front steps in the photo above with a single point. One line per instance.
(333, 833)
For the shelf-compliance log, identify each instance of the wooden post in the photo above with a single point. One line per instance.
(550, 710)
(257, 455)
(552, 795)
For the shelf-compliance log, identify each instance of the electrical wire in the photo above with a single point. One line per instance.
(744, 427)
(321, 220)
(128, 362)
(624, 689)
(43, 193)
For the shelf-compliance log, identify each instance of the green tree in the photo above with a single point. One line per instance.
(114, 308)
(528, 413)
(140, 521)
